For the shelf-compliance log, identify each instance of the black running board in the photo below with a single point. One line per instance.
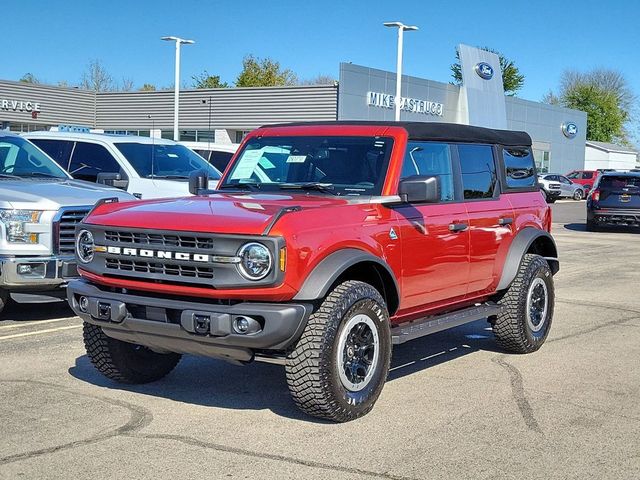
(426, 326)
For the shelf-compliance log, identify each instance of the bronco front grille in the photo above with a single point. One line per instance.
(159, 240)
(171, 270)
(65, 229)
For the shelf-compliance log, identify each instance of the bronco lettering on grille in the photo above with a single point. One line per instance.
(161, 254)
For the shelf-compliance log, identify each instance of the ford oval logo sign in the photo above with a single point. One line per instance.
(484, 70)
(569, 129)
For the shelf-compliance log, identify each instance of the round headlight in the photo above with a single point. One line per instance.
(255, 261)
(85, 246)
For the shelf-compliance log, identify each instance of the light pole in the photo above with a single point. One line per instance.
(176, 105)
(401, 28)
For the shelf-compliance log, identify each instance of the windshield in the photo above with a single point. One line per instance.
(20, 158)
(164, 161)
(334, 165)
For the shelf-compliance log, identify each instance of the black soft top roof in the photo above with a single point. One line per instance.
(436, 131)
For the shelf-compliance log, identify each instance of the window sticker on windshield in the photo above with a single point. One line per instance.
(296, 158)
(247, 164)
(172, 155)
(265, 163)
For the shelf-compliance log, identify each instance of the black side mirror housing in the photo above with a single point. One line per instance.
(198, 181)
(420, 189)
(112, 179)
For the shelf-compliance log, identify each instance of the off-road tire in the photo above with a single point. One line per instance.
(592, 227)
(5, 298)
(551, 199)
(312, 366)
(125, 362)
(510, 327)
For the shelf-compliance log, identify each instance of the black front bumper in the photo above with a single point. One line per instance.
(171, 325)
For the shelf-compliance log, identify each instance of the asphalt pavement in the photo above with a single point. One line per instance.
(454, 406)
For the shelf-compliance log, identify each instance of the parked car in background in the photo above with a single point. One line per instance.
(143, 166)
(40, 205)
(586, 178)
(550, 190)
(614, 200)
(217, 154)
(568, 189)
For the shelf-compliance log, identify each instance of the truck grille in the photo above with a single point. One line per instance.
(65, 228)
(171, 270)
(159, 240)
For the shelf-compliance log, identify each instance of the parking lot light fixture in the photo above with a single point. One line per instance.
(401, 29)
(179, 41)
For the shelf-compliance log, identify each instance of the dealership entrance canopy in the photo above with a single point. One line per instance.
(362, 93)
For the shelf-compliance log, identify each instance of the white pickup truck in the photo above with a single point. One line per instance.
(40, 205)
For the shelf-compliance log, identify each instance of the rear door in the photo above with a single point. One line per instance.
(619, 192)
(566, 186)
(490, 215)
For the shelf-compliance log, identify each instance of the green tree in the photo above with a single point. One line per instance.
(148, 87)
(512, 79)
(206, 80)
(266, 72)
(30, 78)
(606, 98)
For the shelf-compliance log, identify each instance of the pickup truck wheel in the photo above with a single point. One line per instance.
(340, 364)
(125, 362)
(527, 307)
(4, 299)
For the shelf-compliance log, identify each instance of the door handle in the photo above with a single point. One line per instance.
(458, 227)
(505, 221)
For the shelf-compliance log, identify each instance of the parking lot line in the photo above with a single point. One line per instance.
(49, 330)
(34, 322)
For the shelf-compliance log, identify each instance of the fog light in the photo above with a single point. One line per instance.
(83, 303)
(24, 269)
(246, 325)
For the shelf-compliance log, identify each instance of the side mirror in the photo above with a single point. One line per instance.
(198, 180)
(420, 189)
(112, 179)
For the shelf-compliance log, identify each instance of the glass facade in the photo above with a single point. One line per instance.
(541, 158)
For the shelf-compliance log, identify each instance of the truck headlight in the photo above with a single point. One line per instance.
(85, 246)
(17, 222)
(255, 261)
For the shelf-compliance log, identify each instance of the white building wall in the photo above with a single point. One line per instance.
(596, 158)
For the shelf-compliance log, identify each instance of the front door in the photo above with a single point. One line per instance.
(435, 237)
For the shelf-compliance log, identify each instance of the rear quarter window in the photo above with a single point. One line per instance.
(519, 168)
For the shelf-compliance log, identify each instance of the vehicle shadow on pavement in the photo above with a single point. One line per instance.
(576, 227)
(257, 386)
(582, 227)
(19, 311)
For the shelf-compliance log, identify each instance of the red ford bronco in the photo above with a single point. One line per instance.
(324, 245)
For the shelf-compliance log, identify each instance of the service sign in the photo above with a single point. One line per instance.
(414, 105)
(19, 105)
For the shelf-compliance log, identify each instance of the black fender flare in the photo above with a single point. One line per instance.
(329, 269)
(519, 246)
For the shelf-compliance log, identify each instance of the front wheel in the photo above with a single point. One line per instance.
(125, 362)
(527, 305)
(4, 299)
(340, 364)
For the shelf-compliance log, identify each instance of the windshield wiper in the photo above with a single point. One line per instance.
(168, 177)
(241, 185)
(8, 175)
(41, 174)
(321, 187)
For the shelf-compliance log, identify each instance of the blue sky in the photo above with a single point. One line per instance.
(56, 40)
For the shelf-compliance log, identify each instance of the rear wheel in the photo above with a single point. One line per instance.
(125, 362)
(592, 227)
(523, 324)
(340, 364)
(578, 195)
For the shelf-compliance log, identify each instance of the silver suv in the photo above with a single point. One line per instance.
(568, 189)
(40, 205)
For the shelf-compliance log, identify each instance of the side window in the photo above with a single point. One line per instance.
(220, 160)
(59, 150)
(203, 153)
(564, 180)
(478, 171)
(519, 167)
(587, 175)
(90, 159)
(574, 175)
(425, 158)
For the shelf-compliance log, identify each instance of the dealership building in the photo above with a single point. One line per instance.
(362, 93)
